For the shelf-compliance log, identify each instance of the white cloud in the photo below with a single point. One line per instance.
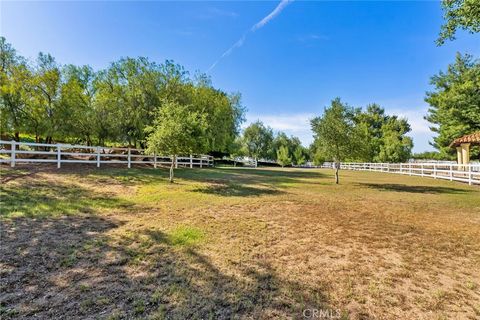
(254, 28)
(297, 124)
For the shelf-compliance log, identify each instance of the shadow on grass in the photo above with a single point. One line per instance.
(42, 199)
(415, 189)
(237, 190)
(233, 182)
(69, 267)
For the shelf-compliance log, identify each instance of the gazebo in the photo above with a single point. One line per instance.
(463, 146)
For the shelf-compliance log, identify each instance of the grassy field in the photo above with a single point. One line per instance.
(229, 243)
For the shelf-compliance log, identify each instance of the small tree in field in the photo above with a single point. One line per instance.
(282, 156)
(176, 130)
(336, 135)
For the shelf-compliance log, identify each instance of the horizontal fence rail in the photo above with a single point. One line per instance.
(27, 152)
(469, 173)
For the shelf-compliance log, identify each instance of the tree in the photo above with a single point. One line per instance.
(78, 99)
(176, 130)
(386, 135)
(237, 149)
(282, 156)
(395, 146)
(459, 14)
(337, 136)
(14, 74)
(46, 111)
(299, 155)
(258, 140)
(455, 103)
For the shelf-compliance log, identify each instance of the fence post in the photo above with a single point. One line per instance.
(129, 159)
(98, 157)
(176, 162)
(421, 166)
(409, 169)
(451, 173)
(201, 161)
(434, 171)
(191, 161)
(59, 156)
(469, 174)
(155, 160)
(12, 155)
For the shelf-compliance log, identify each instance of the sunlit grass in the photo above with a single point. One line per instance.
(228, 242)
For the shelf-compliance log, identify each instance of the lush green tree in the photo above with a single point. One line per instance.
(46, 109)
(395, 146)
(299, 155)
(78, 100)
(237, 149)
(14, 74)
(177, 130)
(387, 140)
(429, 155)
(133, 86)
(459, 14)
(282, 140)
(283, 158)
(258, 140)
(337, 136)
(455, 103)
(224, 114)
(317, 156)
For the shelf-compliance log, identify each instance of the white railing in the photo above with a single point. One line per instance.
(25, 152)
(469, 173)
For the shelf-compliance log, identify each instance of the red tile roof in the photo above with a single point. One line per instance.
(469, 138)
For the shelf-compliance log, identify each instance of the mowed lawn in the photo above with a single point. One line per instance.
(113, 243)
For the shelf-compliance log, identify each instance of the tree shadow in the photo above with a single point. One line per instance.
(37, 198)
(237, 190)
(415, 189)
(73, 267)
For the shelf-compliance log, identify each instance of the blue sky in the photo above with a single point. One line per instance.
(287, 68)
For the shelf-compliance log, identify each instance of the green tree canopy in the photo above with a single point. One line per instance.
(177, 130)
(258, 140)
(455, 103)
(459, 14)
(337, 136)
(386, 135)
(283, 158)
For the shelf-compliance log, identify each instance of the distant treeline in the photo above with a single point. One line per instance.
(114, 106)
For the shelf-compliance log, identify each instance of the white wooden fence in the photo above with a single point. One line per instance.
(469, 173)
(22, 152)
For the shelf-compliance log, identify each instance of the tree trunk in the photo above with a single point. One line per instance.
(17, 136)
(171, 169)
(337, 167)
(256, 161)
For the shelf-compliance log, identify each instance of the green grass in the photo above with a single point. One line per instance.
(236, 242)
(185, 236)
